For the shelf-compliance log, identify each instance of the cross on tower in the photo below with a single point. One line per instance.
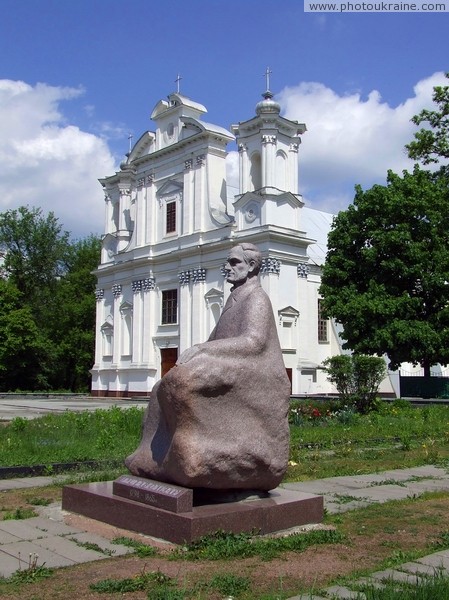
(267, 74)
(177, 80)
(130, 138)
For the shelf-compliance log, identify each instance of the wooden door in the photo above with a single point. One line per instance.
(169, 356)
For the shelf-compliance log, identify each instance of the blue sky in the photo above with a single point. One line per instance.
(77, 77)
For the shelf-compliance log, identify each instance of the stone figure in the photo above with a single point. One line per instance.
(218, 418)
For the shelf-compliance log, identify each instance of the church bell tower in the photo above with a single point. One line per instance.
(268, 146)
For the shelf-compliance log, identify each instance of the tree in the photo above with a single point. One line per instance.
(25, 354)
(47, 309)
(431, 145)
(386, 276)
(35, 249)
(73, 321)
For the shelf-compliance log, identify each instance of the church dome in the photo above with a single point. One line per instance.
(268, 105)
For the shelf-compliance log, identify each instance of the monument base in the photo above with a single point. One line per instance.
(172, 513)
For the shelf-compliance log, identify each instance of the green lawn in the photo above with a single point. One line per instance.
(326, 440)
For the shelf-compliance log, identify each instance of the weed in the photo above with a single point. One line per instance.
(93, 546)
(388, 482)
(35, 501)
(424, 588)
(229, 584)
(142, 550)
(226, 546)
(442, 543)
(346, 499)
(19, 513)
(156, 581)
(32, 572)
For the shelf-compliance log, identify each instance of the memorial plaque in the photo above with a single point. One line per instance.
(173, 498)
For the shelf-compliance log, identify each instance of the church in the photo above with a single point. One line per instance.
(169, 224)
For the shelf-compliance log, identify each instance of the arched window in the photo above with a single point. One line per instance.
(255, 172)
(281, 170)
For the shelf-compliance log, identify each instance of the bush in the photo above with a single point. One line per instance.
(357, 378)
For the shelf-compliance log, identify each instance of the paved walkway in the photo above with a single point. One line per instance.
(346, 493)
(30, 406)
(57, 544)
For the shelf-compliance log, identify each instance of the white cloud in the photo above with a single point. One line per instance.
(47, 162)
(351, 139)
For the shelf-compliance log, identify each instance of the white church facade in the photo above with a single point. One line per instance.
(168, 228)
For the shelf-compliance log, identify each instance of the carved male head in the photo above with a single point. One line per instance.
(243, 262)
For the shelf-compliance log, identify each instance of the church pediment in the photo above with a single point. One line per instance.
(293, 200)
(288, 315)
(143, 146)
(170, 188)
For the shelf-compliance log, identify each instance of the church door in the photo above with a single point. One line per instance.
(169, 356)
(290, 377)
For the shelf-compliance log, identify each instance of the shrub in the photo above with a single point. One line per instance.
(357, 378)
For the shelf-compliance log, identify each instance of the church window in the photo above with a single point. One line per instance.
(170, 220)
(126, 311)
(323, 325)
(107, 331)
(169, 307)
(256, 172)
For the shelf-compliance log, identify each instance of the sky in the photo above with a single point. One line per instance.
(77, 79)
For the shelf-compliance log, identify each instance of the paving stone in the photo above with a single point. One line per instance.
(438, 560)
(424, 471)
(322, 486)
(420, 568)
(358, 481)
(307, 597)
(68, 549)
(32, 482)
(92, 538)
(382, 493)
(8, 484)
(374, 583)
(428, 485)
(22, 529)
(8, 564)
(26, 549)
(52, 527)
(335, 507)
(393, 575)
(340, 591)
(7, 538)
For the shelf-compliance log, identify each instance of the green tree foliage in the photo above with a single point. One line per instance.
(431, 144)
(35, 250)
(24, 351)
(357, 378)
(386, 277)
(47, 305)
(73, 322)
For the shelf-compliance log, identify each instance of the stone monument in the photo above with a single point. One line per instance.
(215, 437)
(218, 419)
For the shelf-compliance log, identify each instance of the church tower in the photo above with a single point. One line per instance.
(268, 146)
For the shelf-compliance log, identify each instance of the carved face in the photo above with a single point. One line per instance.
(238, 269)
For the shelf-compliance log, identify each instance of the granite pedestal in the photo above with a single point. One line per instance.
(179, 515)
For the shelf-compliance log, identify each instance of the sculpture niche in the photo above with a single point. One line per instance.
(218, 418)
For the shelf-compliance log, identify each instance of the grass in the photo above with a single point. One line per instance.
(19, 513)
(435, 587)
(232, 546)
(71, 437)
(330, 441)
(142, 550)
(326, 439)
